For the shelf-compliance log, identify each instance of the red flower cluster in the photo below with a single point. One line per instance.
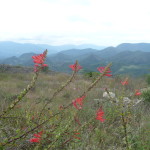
(125, 82)
(37, 137)
(39, 61)
(101, 70)
(137, 93)
(100, 114)
(78, 102)
(75, 67)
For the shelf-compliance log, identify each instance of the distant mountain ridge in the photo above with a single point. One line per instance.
(126, 58)
(145, 47)
(9, 49)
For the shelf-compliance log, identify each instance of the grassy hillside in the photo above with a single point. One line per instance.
(125, 126)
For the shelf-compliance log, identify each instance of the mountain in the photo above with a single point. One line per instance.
(134, 57)
(108, 52)
(82, 46)
(131, 62)
(60, 58)
(9, 49)
(23, 60)
(144, 47)
(125, 58)
(78, 52)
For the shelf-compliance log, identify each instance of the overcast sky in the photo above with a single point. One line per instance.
(58, 22)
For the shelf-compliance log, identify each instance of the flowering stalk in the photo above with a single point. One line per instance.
(105, 71)
(123, 113)
(124, 123)
(61, 111)
(75, 69)
(31, 85)
(78, 102)
(21, 95)
(125, 82)
(100, 114)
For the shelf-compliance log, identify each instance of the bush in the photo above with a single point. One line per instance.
(91, 74)
(146, 95)
(148, 79)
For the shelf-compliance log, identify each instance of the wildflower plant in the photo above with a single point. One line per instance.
(77, 103)
(39, 64)
(63, 126)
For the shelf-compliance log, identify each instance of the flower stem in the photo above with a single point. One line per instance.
(59, 90)
(124, 123)
(21, 95)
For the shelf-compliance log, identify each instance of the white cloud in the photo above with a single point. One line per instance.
(102, 22)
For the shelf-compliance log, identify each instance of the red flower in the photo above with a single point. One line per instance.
(100, 114)
(101, 70)
(124, 82)
(39, 61)
(78, 102)
(137, 93)
(38, 135)
(75, 67)
(36, 140)
(76, 133)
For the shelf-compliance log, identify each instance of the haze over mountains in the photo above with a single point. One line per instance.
(127, 58)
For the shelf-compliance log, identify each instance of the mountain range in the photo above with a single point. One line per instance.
(127, 58)
(9, 49)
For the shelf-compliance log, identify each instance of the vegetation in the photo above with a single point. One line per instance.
(43, 116)
(148, 79)
(146, 95)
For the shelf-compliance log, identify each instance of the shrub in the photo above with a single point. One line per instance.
(148, 79)
(91, 74)
(146, 95)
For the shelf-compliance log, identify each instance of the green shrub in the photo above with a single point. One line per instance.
(146, 95)
(91, 74)
(148, 79)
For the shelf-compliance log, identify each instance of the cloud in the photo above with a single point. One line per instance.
(103, 22)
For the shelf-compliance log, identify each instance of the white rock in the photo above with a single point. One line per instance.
(126, 100)
(110, 95)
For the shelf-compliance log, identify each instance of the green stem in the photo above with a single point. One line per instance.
(59, 90)
(97, 80)
(21, 95)
(124, 123)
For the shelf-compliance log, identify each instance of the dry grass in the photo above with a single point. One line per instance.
(94, 134)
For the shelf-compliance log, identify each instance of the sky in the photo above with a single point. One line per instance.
(59, 22)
